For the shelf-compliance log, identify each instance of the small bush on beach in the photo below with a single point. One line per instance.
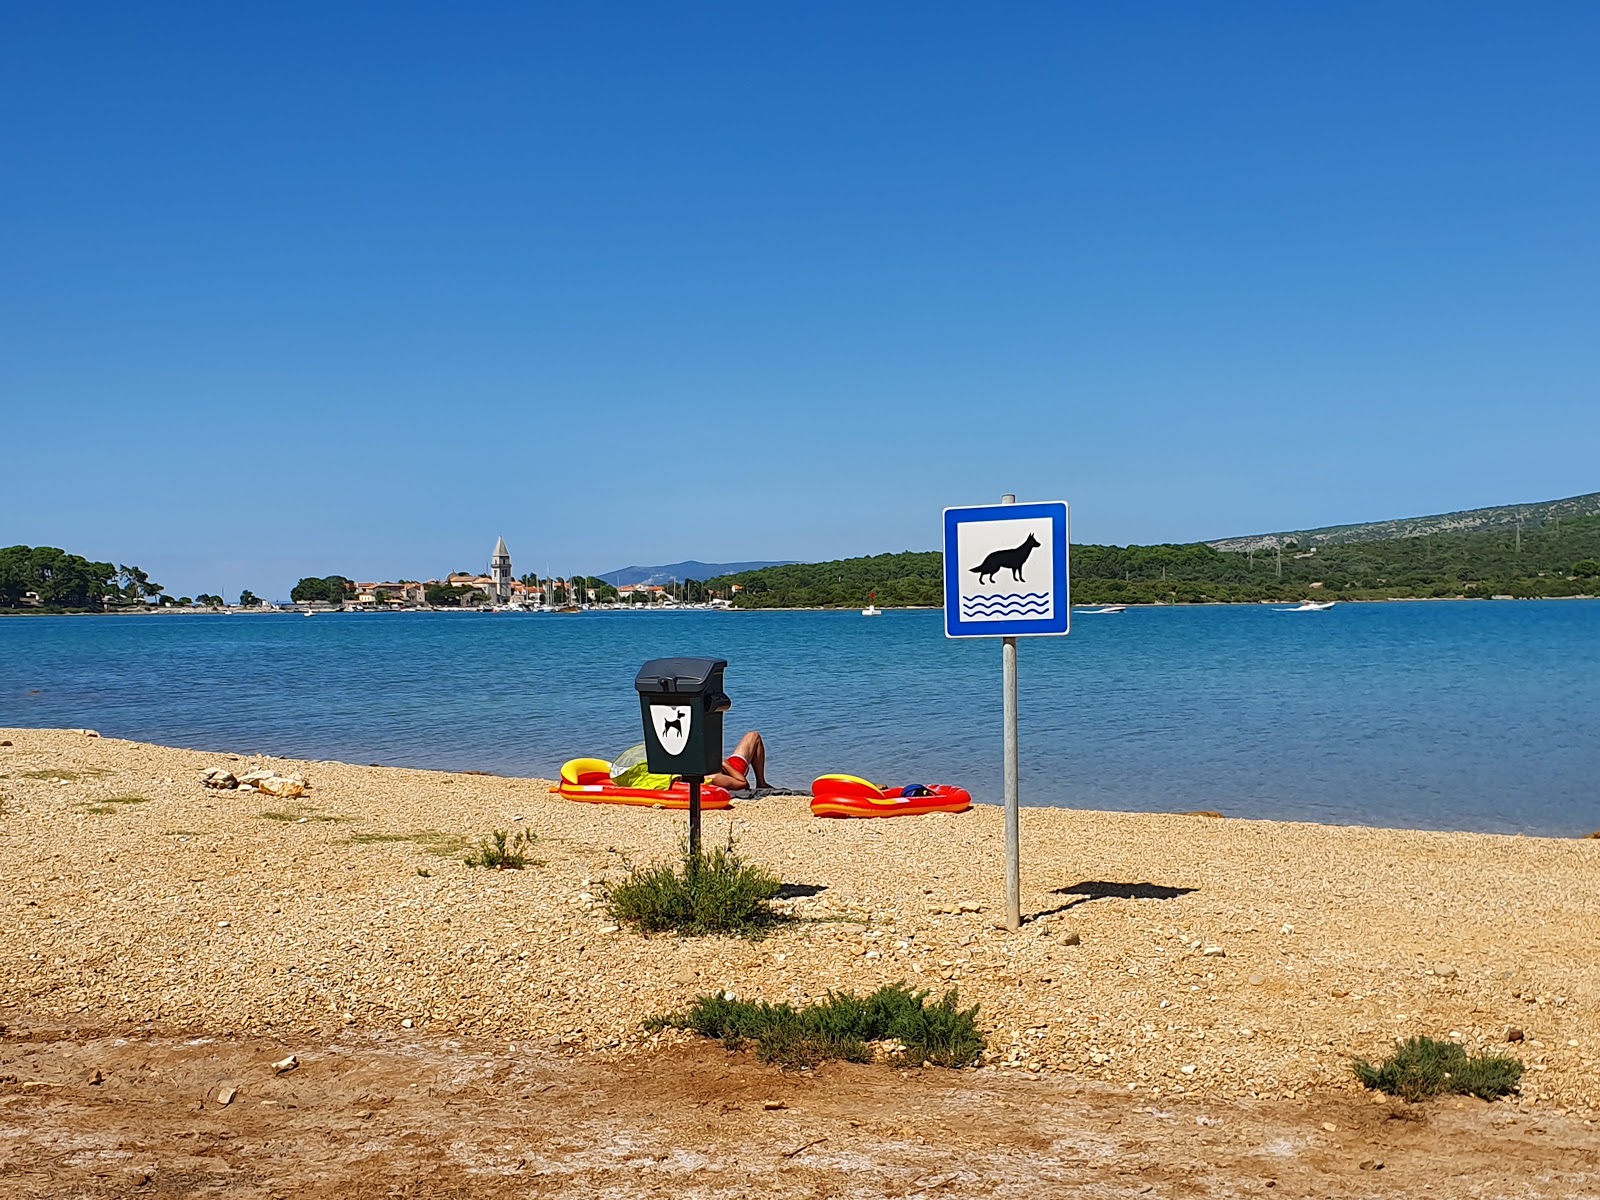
(708, 893)
(502, 851)
(1425, 1066)
(841, 1026)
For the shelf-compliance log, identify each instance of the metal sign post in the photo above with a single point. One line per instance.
(1006, 575)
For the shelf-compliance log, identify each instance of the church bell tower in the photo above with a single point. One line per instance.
(500, 572)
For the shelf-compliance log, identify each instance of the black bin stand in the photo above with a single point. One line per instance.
(681, 702)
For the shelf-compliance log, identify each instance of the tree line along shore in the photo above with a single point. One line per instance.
(1555, 559)
(1558, 559)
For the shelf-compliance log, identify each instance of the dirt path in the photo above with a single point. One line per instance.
(136, 1112)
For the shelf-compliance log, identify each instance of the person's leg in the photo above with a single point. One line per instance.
(750, 755)
(757, 756)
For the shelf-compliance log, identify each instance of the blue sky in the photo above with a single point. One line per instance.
(306, 288)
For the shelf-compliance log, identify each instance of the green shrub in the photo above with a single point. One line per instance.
(502, 851)
(841, 1026)
(1425, 1066)
(706, 894)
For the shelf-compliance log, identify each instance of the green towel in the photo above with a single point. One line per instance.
(632, 770)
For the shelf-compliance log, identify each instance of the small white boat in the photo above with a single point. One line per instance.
(1310, 606)
(308, 613)
(1102, 611)
(872, 610)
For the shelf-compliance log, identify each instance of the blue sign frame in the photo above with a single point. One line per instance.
(1054, 619)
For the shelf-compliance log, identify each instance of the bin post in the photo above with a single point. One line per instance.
(694, 818)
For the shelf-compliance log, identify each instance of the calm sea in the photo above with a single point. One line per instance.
(1446, 715)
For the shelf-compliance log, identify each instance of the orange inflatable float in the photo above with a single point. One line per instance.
(852, 796)
(589, 780)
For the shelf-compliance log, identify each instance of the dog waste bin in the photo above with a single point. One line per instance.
(682, 702)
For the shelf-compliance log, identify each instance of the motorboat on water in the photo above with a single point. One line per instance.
(1102, 611)
(1310, 606)
(872, 610)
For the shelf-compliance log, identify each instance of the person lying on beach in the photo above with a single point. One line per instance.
(750, 754)
(630, 768)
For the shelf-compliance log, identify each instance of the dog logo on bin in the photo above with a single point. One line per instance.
(671, 722)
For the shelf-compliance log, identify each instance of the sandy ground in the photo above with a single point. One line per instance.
(421, 1115)
(1208, 969)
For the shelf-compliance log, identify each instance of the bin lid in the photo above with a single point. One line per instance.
(677, 674)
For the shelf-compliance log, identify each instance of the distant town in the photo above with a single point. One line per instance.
(501, 589)
(45, 579)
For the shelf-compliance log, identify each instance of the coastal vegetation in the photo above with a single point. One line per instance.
(844, 1025)
(47, 578)
(331, 589)
(1423, 1067)
(1557, 558)
(707, 893)
(443, 596)
(502, 851)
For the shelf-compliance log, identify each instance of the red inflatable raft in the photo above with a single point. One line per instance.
(852, 796)
(589, 780)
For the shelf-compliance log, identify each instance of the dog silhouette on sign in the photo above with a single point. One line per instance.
(676, 723)
(1006, 560)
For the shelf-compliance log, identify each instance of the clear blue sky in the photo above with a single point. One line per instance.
(295, 289)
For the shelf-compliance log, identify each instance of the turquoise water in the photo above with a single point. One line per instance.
(1445, 715)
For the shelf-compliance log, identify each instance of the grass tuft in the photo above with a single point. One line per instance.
(502, 851)
(430, 841)
(1425, 1066)
(296, 813)
(715, 893)
(128, 800)
(841, 1026)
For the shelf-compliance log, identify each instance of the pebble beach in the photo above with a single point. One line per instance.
(1167, 955)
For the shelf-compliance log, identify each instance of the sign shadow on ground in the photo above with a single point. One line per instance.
(1101, 889)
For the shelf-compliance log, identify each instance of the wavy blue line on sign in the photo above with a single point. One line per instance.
(1030, 605)
(1019, 604)
(1006, 608)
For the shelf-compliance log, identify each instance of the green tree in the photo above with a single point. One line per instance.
(59, 579)
(248, 599)
(332, 589)
(1587, 567)
(443, 596)
(136, 584)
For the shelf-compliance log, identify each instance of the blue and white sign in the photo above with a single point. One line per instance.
(1005, 570)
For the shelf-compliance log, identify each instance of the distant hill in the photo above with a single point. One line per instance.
(692, 569)
(1556, 552)
(1472, 520)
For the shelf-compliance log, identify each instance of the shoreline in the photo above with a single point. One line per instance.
(291, 611)
(135, 895)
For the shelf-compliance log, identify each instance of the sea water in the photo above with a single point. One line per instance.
(1464, 715)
